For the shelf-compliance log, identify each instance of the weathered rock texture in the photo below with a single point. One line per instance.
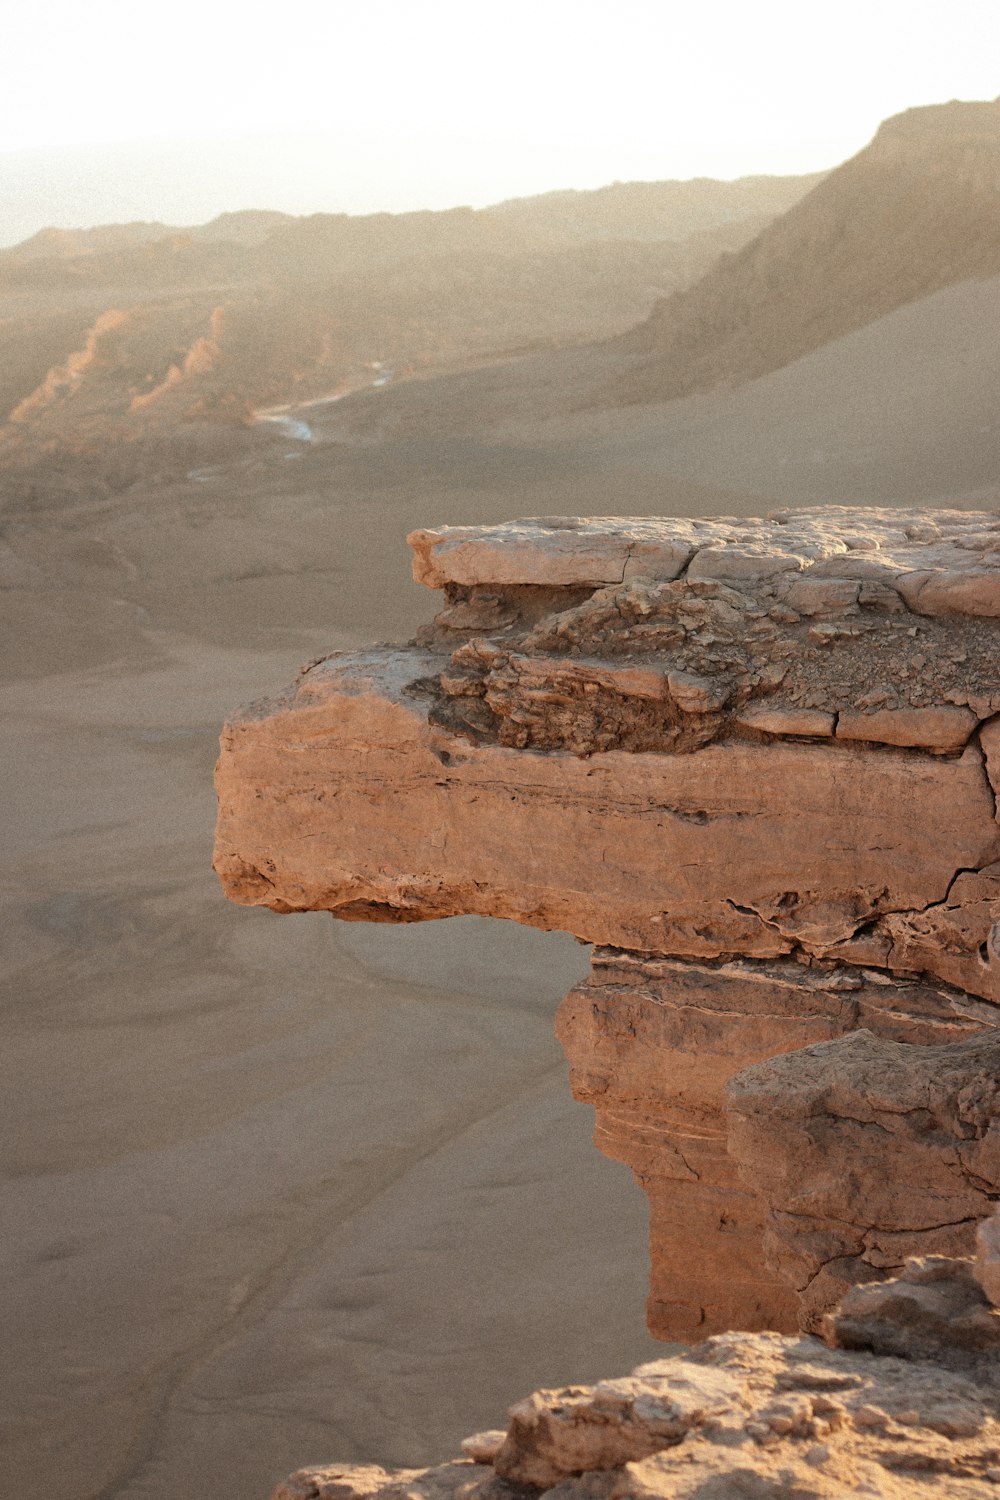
(652, 1043)
(754, 762)
(868, 1150)
(906, 1402)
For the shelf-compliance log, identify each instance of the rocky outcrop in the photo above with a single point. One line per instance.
(867, 1150)
(903, 1396)
(752, 761)
(652, 1043)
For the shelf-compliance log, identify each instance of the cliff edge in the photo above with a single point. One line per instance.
(754, 763)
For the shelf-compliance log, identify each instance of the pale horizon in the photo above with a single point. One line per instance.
(136, 182)
(400, 106)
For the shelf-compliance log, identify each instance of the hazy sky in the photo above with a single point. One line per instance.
(113, 109)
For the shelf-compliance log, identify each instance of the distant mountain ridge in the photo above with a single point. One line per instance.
(247, 227)
(917, 210)
(118, 331)
(144, 334)
(253, 242)
(657, 210)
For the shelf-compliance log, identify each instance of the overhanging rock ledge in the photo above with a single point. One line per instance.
(754, 762)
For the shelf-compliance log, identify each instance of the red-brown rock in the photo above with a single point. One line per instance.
(756, 761)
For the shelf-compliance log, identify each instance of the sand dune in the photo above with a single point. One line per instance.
(913, 212)
(902, 410)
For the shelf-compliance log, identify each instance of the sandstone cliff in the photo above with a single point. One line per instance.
(752, 762)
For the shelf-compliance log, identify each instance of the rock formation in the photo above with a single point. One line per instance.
(867, 1150)
(902, 1398)
(652, 1043)
(754, 763)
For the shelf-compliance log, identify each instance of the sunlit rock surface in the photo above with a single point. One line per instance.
(754, 762)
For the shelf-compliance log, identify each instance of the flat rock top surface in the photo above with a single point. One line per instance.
(841, 541)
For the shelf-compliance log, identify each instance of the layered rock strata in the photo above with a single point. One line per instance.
(652, 1043)
(752, 761)
(902, 1398)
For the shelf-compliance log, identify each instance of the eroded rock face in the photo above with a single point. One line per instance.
(940, 561)
(755, 762)
(652, 1044)
(868, 1151)
(937, 1309)
(904, 1394)
(345, 796)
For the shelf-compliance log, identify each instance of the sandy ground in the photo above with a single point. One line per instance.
(901, 412)
(277, 1190)
(274, 1189)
